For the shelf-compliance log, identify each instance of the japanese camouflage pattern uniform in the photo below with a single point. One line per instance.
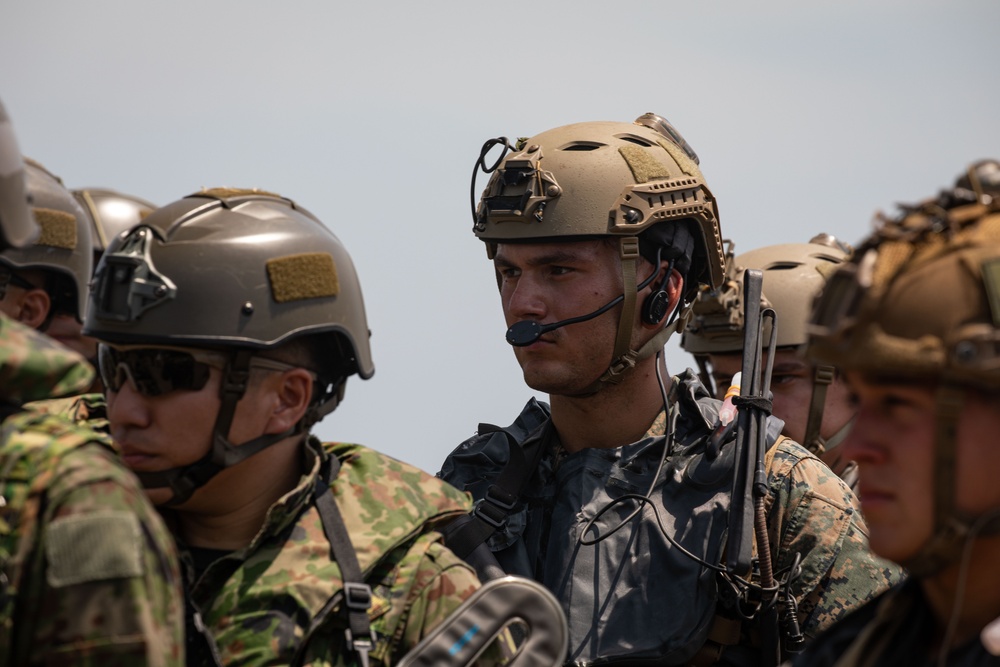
(632, 595)
(88, 571)
(282, 581)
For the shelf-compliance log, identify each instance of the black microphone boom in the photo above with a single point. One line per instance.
(527, 332)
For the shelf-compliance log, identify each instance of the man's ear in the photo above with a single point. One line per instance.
(293, 391)
(663, 298)
(34, 308)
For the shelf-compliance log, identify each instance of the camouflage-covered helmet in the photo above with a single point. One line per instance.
(639, 182)
(230, 268)
(920, 298)
(63, 248)
(17, 226)
(110, 213)
(919, 301)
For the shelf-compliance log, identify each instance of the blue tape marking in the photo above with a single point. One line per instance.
(465, 639)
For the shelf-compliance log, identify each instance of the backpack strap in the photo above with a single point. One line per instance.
(491, 513)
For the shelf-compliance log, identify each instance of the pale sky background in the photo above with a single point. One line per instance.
(807, 116)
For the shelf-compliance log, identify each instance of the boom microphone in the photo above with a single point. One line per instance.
(527, 332)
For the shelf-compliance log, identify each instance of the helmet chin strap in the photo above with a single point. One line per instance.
(184, 481)
(951, 527)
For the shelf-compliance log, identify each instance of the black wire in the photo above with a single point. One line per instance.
(481, 163)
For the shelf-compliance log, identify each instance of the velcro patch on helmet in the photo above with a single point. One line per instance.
(93, 547)
(310, 275)
(644, 166)
(58, 228)
(687, 165)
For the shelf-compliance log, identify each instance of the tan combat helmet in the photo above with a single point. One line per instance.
(110, 213)
(794, 274)
(920, 301)
(17, 226)
(637, 182)
(242, 272)
(62, 249)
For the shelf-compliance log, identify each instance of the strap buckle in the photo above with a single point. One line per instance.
(824, 375)
(493, 508)
(357, 597)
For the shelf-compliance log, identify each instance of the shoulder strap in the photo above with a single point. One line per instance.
(491, 513)
(356, 595)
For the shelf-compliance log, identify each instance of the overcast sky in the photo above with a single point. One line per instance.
(807, 117)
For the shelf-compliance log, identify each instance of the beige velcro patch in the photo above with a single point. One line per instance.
(309, 275)
(58, 228)
(687, 165)
(93, 547)
(644, 166)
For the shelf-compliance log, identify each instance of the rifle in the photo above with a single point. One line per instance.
(750, 480)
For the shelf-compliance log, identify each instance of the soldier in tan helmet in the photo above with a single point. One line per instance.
(912, 320)
(811, 399)
(617, 493)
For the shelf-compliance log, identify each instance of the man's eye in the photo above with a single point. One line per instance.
(560, 270)
(782, 379)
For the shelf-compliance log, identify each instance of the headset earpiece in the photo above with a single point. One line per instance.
(654, 308)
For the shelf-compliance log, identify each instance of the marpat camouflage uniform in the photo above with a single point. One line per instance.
(632, 595)
(891, 630)
(88, 571)
(259, 602)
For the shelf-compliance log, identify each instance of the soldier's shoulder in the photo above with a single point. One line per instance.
(35, 367)
(387, 487)
(486, 452)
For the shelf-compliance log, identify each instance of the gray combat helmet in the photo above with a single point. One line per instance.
(17, 226)
(110, 213)
(637, 182)
(230, 268)
(62, 249)
(242, 272)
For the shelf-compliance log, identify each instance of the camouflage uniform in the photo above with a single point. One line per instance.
(259, 602)
(622, 595)
(890, 630)
(88, 570)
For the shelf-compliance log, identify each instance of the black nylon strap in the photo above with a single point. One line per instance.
(357, 595)
(462, 537)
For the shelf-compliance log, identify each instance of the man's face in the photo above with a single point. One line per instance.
(893, 441)
(549, 282)
(174, 429)
(792, 385)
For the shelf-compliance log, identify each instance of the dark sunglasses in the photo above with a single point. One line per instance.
(155, 371)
